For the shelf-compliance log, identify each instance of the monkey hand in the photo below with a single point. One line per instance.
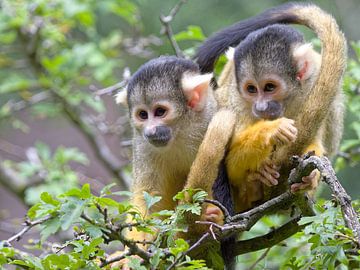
(267, 174)
(308, 183)
(285, 133)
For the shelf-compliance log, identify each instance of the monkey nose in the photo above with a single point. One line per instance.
(261, 106)
(150, 131)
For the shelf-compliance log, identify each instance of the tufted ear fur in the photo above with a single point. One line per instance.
(195, 87)
(307, 61)
(230, 53)
(121, 97)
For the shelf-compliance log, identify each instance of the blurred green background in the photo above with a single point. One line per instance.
(59, 125)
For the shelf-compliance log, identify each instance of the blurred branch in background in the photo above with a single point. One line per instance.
(167, 30)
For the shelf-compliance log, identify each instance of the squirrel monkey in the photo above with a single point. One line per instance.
(287, 99)
(172, 107)
(286, 96)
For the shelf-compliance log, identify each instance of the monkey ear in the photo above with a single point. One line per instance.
(306, 60)
(195, 88)
(230, 53)
(121, 97)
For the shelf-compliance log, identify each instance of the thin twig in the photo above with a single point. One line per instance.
(28, 225)
(166, 20)
(194, 246)
(111, 89)
(263, 256)
(113, 259)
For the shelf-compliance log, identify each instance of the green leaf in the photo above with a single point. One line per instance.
(84, 193)
(47, 198)
(199, 196)
(135, 263)
(150, 200)
(49, 227)
(180, 246)
(192, 32)
(72, 211)
(64, 155)
(92, 247)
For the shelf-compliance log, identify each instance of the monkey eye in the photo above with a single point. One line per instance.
(251, 88)
(143, 115)
(160, 111)
(269, 87)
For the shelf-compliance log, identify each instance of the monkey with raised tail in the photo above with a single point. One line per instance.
(287, 97)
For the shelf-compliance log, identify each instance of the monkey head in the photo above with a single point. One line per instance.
(163, 95)
(272, 67)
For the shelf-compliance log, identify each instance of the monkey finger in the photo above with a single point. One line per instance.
(283, 139)
(271, 164)
(271, 170)
(255, 176)
(291, 137)
(268, 178)
(300, 187)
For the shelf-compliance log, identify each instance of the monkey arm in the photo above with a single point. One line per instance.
(204, 169)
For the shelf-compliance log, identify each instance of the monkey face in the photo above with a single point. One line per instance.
(266, 96)
(154, 121)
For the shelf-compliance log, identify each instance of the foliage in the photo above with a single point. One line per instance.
(51, 54)
(96, 222)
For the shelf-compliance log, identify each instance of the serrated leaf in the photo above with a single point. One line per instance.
(72, 211)
(199, 196)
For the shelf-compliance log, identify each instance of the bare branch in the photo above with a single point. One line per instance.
(28, 225)
(113, 259)
(270, 239)
(11, 180)
(263, 256)
(15, 106)
(165, 21)
(350, 216)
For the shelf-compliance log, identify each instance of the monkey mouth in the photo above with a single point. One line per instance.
(159, 142)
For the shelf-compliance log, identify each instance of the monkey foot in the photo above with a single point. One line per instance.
(212, 213)
(267, 174)
(308, 182)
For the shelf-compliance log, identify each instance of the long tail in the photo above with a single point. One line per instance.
(329, 80)
(289, 13)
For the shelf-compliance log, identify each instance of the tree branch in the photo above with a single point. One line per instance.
(350, 216)
(165, 21)
(28, 225)
(78, 118)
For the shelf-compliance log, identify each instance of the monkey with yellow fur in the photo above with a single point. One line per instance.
(287, 97)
